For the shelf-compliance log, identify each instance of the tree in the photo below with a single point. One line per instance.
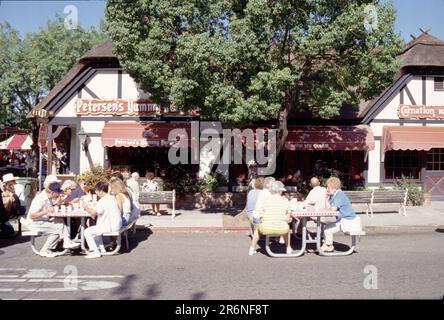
(240, 61)
(32, 65)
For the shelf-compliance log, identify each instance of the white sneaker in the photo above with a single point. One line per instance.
(289, 250)
(93, 255)
(71, 245)
(48, 254)
(251, 251)
(281, 240)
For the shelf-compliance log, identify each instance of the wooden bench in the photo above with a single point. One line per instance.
(361, 197)
(129, 228)
(159, 197)
(392, 196)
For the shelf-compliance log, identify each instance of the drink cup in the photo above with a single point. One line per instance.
(56, 209)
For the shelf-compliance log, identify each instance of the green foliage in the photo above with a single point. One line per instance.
(182, 179)
(94, 175)
(32, 65)
(240, 61)
(210, 182)
(415, 196)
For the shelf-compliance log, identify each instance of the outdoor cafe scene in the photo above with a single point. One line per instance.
(241, 149)
(105, 153)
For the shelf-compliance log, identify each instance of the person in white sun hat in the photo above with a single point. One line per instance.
(50, 179)
(13, 196)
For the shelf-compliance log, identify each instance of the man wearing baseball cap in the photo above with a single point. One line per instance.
(38, 220)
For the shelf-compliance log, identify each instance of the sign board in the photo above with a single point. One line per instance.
(420, 112)
(119, 107)
(43, 131)
(41, 113)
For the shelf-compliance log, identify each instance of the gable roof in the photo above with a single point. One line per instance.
(101, 53)
(423, 51)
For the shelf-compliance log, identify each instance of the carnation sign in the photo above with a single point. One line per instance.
(119, 107)
(420, 112)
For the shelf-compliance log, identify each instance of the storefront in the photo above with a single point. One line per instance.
(99, 116)
(407, 121)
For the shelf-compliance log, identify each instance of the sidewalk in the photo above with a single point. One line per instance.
(425, 218)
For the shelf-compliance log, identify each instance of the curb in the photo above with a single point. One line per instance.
(367, 229)
(197, 229)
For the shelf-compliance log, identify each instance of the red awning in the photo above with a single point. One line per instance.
(412, 138)
(17, 142)
(136, 134)
(330, 138)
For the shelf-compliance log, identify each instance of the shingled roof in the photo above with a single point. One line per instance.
(423, 51)
(101, 53)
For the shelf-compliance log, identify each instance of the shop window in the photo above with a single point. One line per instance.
(402, 163)
(439, 83)
(435, 160)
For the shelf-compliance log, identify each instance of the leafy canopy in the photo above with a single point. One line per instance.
(31, 65)
(239, 61)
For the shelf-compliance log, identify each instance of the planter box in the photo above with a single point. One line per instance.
(217, 201)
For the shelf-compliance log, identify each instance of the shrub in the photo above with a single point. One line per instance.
(94, 175)
(415, 195)
(182, 179)
(210, 182)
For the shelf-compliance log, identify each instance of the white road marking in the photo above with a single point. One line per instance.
(95, 277)
(69, 283)
(40, 273)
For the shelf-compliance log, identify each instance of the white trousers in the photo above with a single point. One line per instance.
(341, 225)
(55, 229)
(93, 240)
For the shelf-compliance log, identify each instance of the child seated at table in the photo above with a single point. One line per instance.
(346, 220)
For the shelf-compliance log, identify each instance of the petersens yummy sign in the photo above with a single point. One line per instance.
(118, 107)
(420, 112)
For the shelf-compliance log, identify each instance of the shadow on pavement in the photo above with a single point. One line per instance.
(6, 242)
(440, 230)
(142, 234)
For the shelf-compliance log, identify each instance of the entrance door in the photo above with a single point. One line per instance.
(434, 179)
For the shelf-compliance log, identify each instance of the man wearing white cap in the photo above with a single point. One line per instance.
(38, 220)
(50, 179)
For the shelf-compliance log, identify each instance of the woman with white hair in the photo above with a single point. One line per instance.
(274, 214)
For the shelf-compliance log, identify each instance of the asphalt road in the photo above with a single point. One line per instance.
(217, 266)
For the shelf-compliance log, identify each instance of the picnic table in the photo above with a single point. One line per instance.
(75, 212)
(303, 215)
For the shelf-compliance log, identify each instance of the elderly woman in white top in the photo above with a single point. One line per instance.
(109, 219)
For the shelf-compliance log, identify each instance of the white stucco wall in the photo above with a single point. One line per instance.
(390, 112)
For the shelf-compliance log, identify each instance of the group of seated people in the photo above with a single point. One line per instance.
(269, 211)
(117, 206)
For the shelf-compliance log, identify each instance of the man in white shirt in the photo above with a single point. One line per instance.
(109, 219)
(317, 196)
(38, 220)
